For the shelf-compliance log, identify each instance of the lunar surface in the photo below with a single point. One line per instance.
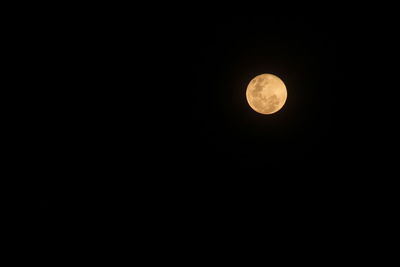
(266, 94)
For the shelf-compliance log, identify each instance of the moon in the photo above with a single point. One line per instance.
(266, 94)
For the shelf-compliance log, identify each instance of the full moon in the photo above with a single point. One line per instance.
(266, 94)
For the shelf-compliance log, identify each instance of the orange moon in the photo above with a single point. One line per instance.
(266, 94)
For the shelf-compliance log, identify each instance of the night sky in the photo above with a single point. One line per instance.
(236, 50)
(151, 111)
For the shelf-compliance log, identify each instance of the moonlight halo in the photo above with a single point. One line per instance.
(266, 93)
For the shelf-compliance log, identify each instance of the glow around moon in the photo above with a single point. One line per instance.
(266, 94)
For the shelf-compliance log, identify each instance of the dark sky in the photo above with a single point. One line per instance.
(303, 55)
(152, 109)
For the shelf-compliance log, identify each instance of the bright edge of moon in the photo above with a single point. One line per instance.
(266, 94)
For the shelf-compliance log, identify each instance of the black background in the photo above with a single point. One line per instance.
(145, 112)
